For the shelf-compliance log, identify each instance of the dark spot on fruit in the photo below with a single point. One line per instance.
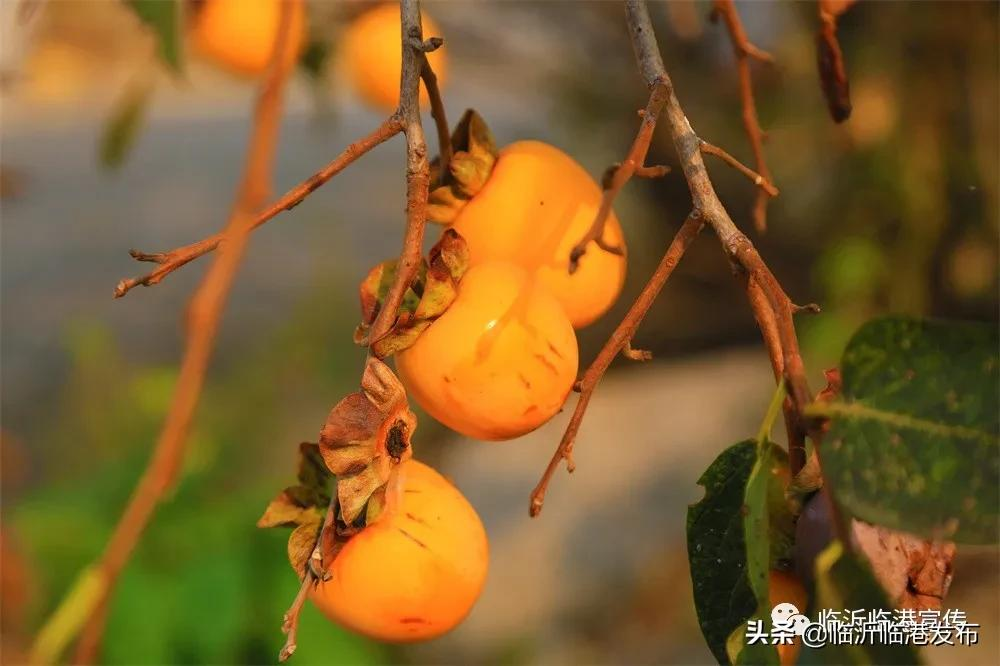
(524, 380)
(553, 349)
(412, 620)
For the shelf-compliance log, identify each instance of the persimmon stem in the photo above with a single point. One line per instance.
(415, 67)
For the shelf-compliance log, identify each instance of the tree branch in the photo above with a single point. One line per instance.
(437, 113)
(772, 307)
(204, 314)
(616, 176)
(744, 51)
(414, 66)
(755, 178)
(174, 259)
(619, 341)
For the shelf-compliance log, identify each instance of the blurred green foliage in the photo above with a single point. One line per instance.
(205, 585)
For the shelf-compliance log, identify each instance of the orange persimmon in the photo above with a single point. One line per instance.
(416, 572)
(537, 203)
(371, 56)
(499, 362)
(239, 35)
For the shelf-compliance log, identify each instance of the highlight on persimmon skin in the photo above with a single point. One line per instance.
(417, 571)
(239, 35)
(785, 587)
(499, 362)
(371, 58)
(535, 207)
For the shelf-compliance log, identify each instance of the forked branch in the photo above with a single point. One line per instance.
(744, 51)
(616, 177)
(772, 307)
(619, 341)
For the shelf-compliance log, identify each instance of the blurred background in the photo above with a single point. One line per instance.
(896, 210)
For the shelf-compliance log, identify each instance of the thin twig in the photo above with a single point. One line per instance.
(744, 51)
(438, 114)
(174, 259)
(616, 177)
(204, 313)
(619, 340)
(756, 178)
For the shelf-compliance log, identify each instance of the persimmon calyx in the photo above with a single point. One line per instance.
(366, 434)
(302, 506)
(474, 154)
(433, 290)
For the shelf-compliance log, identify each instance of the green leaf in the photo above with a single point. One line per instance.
(123, 126)
(913, 442)
(315, 57)
(733, 534)
(164, 18)
(845, 583)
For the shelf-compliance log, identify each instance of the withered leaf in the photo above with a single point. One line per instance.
(302, 542)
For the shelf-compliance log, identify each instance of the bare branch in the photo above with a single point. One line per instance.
(615, 178)
(744, 51)
(438, 114)
(620, 340)
(754, 177)
(202, 323)
(417, 188)
(772, 307)
(174, 259)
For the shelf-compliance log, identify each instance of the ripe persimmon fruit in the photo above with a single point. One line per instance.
(371, 56)
(239, 35)
(416, 572)
(537, 203)
(501, 359)
(785, 587)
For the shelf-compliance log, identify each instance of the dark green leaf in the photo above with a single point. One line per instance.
(314, 58)
(164, 18)
(913, 443)
(123, 126)
(733, 535)
(844, 582)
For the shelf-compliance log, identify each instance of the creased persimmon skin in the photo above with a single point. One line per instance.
(371, 57)
(415, 573)
(536, 205)
(239, 35)
(499, 362)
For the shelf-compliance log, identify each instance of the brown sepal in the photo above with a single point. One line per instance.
(474, 155)
(365, 436)
(434, 289)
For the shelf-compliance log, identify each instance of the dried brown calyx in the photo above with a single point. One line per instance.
(433, 290)
(365, 436)
(474, 154)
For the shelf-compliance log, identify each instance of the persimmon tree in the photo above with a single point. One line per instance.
(898, 453)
